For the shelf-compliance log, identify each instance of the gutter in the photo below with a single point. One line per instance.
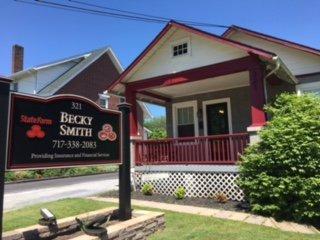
(277, 67)
(279, 64)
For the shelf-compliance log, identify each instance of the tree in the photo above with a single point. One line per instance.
(280, 175)
(157, 126)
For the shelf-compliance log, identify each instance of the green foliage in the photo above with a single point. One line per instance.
(147, 189)
(280, 175)
(180, 193)
(157, 126)
(58, 172)
(157, 133)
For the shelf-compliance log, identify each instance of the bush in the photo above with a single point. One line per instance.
(157, 133)
(180, 193)
(221, 198)
(147, 189)
(58, 172)
(280, 175)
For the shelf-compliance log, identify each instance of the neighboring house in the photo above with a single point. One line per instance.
(214, 89)
(87, 75)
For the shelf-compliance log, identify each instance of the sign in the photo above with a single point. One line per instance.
(61, 131)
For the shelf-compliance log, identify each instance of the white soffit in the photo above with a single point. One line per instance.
(206, 85)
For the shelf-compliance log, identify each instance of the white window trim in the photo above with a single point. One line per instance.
(178, 42)
(175, 107)
(204, 113)
(104, 97)
(300, 88)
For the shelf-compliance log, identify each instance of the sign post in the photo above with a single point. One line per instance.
(4, 104)
(124, 169)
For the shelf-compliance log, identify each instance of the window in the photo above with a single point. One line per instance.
(185, 119)
(104, 100)
(185, 123)
(313, 87)
(180, 49)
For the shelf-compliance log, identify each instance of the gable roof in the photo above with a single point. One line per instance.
(260, 52)
(81, 62)
(270, 38)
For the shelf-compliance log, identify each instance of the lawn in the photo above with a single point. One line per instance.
(178, 226)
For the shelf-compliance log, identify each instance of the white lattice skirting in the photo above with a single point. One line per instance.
(197, 184)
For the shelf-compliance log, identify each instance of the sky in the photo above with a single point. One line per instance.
(50, 34)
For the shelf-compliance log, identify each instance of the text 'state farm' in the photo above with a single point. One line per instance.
(61, 131)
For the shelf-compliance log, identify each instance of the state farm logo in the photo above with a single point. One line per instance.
(36, 132)
(107, 133)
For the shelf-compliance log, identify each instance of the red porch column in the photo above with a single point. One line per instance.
(258, 116)
(131, 98)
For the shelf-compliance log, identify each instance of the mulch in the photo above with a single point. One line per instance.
(198, 202)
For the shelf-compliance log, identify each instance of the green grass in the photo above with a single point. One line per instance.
(178, 225)
(63, 208)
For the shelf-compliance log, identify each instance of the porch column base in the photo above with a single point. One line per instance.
(133, 148)
(253, 133)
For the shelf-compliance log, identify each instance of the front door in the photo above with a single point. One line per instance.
(217, 118)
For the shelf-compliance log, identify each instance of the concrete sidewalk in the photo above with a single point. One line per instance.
(223, 214)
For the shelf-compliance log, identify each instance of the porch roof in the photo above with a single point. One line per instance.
(164, 34)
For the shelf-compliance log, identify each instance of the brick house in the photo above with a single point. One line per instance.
(88, 75)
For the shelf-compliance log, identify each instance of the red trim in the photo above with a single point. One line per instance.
(144, 52)
(131, 99)
(258, 116)
(211, 150)
(11, 166)
(250, 49)
(214, 70)
(270, 38)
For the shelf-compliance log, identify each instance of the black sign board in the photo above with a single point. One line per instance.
(61, 131)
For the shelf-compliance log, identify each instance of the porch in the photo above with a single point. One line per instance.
(213, 150)
(209, 111)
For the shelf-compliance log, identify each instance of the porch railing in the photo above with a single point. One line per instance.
(221, 149)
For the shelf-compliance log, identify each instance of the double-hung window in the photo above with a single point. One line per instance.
(185, 119)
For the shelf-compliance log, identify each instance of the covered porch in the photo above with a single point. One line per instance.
(209, 110)
(214, 90)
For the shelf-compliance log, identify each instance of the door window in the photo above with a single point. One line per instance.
(217, 118)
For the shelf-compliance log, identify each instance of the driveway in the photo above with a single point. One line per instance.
(18, 195)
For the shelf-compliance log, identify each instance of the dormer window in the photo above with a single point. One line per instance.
(180, 49)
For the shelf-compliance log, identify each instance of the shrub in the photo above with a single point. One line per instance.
(58, 172)
(280, 175)
(220, 197)
(180, 193)
(147, 189)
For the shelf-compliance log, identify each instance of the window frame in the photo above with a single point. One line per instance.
(181, 42)
(104, 97)
(307, 87)
(175, 107)
(216, 101)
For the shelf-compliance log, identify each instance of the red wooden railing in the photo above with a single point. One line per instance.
(221, 149)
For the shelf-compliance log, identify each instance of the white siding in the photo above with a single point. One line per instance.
(47, 75)
(203, 52)
(27, 84)
(297, 61)
(37, 80)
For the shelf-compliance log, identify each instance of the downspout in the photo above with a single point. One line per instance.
(278, 64)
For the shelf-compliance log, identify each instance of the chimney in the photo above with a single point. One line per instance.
(17, 58)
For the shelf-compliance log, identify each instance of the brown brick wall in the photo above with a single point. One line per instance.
(93, 80)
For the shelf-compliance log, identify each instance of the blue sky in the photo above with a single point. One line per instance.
(50, 34)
